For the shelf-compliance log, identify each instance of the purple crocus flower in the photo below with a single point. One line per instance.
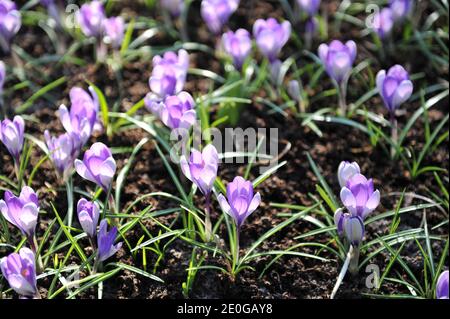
(178, 111)
(21, 211)
(63, 151)
(12, 134)
(311, 7)
(338, 59)
(90, 19)
(400, 8)
(346, 171)
(175, 7)
(114, 31)
(359, 197)
(105, 241)
(168, 78)
(271, 36)
(82, 117)
(240, 202)
(383, 22)
(98, 165)
(442, 286)
(216, 13)
(354, 229)
(238, 45)
(19, 269)
(201, 168)
(394, 87)
(2, 76)
(88, 215)
(10, 22)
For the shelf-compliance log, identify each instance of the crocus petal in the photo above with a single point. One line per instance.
(348, 200)
(403, 93)
(224, 205)
(372, 203)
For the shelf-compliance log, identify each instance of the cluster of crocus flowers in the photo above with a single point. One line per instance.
(442, 289)
(10, 23)
(216, 13)
(19, 269)
(338, 59)
(93, 23)
(168, 78)
(310, 8)
(359, 199)
(12, 136)
(385, 19)
(97, 166)
(238, 45)
(174, 7)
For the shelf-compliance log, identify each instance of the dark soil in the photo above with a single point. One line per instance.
(290, 277)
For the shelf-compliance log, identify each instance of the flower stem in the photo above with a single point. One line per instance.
(69, 190)
(100, 51)
(394, 134)
(342, 89)
(34, 247)
(354, 261)
(208, 225)
(17, 172)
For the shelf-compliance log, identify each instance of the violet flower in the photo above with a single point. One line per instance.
(346, 171)
(2, 77)
(168, 78)
(238, 45)
(383, 22)
(201, 168)
(12, 135)
(175, 7)
(442, 286)
(359, 196)
(311, 7)
(21, 211)
(240, 201)
(10, 23)
(98, 165)
(400, 8)
(91, 19)
(88, 215)
(19, 269)
(216, 13)
(63, 151)
(105, 241)
(271, 36)
(82, 117)
(394, 87)
(178, 111)
(114, 31)
(338, 59)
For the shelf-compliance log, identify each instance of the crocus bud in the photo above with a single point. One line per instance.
(168, 78)
(293, 89)
(346, 171)
(311, 26)
(238, 45)
(201, 168)
(442, 286)
(12, 134)
(178, 111)
(114, 31)
(175, 7)
(88, 215)
(19, 269)
(10, 22)
(2, 76)
(21, 211)
(82, 117)
(105, 241)
(216, 13)
(394, 87)
(354, 230)
(271, 36)
(63, 151)
(338, 59)
(339, 219)
(359, 197)
(98, 165)
(383, 22)
(240, 201)
(400, 8)
(90, 18)
(309, 6)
